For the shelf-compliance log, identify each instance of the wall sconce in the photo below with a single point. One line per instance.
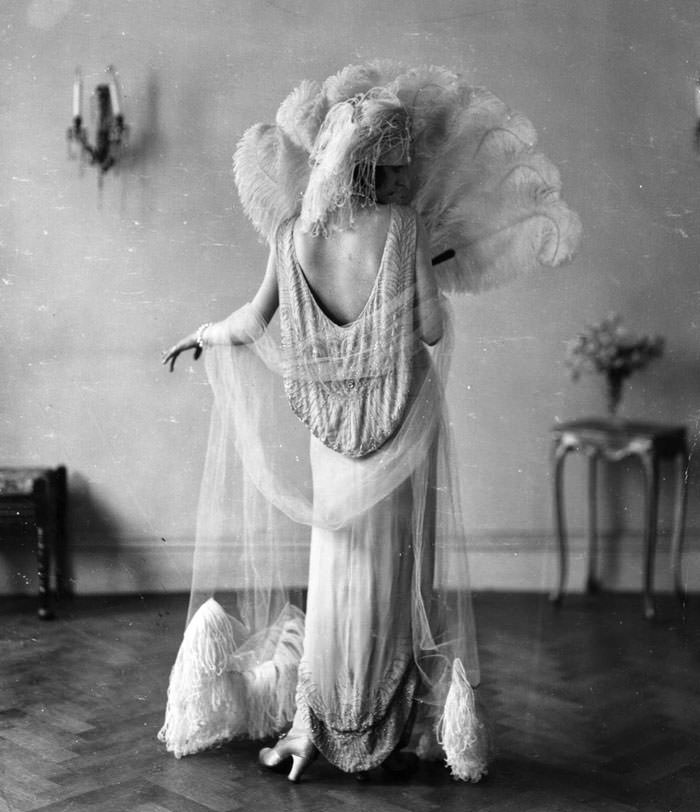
(111, 131)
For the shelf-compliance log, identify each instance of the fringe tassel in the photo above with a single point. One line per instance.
(215, 696)
(206, 706)
(271, 686)
(209, 639)
(459, 731)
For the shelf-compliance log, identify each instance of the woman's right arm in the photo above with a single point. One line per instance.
(243, 325)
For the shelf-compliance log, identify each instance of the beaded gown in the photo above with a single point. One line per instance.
(356, 677)
(388, 628)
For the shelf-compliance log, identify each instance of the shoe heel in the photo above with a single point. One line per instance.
(299, 764)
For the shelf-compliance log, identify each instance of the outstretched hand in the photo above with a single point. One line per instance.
(188, 343)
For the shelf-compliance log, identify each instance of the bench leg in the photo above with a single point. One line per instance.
(44, 522)
(42, 554)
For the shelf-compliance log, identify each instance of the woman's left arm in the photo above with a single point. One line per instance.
(243, 325)
(430, 315)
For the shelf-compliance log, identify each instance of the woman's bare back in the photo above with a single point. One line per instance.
(341, 268)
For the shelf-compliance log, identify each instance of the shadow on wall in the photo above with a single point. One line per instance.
(146, 143)
(621, 485)
(144, 150)
(96, 557)
(621, 511)
(99, 558)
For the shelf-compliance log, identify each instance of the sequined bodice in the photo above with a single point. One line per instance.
(349, 383)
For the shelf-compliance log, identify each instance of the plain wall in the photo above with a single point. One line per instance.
(94, 286)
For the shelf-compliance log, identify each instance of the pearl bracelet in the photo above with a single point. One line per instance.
(199, 335)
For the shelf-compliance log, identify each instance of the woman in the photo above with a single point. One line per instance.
(388, 632)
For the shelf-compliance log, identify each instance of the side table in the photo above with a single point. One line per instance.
(614, 440)
(36, 498)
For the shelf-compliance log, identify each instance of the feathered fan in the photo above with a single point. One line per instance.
(481, 188)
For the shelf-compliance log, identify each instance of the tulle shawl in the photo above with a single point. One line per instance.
(256, 510)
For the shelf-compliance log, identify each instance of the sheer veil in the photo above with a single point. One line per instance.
(252, 547)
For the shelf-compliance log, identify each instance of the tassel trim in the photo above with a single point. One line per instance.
(220, 691)
(459, 730)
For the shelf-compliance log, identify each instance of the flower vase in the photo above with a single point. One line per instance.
(613, 393)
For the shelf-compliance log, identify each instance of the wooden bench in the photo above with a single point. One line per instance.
(34, 500)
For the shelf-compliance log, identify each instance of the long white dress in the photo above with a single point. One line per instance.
(388, 624)
(357, 677)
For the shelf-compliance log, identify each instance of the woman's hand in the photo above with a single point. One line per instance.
(190, 342)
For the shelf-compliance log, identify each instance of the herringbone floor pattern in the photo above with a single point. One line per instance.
(592, 708)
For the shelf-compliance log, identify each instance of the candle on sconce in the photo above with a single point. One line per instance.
(77, 93)
(111, 132)
(114, 93)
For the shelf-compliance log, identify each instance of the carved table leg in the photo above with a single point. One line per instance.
(679, 522)
(559, 456)
(592, 580)
(650, 467)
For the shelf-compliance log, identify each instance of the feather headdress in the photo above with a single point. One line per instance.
(479, 184)
(355, 136)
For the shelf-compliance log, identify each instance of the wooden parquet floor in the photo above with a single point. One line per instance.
(591, 707)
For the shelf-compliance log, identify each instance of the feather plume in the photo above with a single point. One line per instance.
(480, 186)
